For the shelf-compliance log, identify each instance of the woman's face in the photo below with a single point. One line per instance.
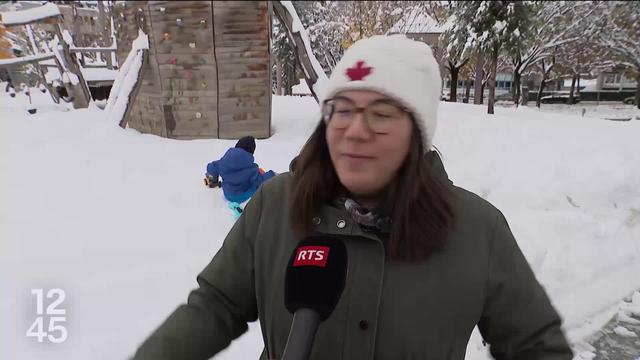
(367, 153)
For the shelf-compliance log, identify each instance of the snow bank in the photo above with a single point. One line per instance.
(12, 107)
(301, 88)
(122, 222)
(568, 187)
(26, 16)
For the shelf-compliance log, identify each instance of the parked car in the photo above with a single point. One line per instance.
(631, 100)
(559, 99)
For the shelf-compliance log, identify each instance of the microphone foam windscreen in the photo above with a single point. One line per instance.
(316, 275)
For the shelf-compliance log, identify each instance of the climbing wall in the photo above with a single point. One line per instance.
(242, 52)
(207, 74)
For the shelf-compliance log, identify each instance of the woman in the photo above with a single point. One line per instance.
(428, 261)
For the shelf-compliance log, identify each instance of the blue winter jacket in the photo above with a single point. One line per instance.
(240, 175)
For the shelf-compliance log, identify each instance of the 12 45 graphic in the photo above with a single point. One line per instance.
(54, 317)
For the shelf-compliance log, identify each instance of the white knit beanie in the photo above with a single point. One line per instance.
(398, 67)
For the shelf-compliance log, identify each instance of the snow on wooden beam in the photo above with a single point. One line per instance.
(127, 80)
(92, 49)
(26, 59)
(314, 74)
(23, 17)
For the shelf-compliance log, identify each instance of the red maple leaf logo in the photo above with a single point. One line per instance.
(359, 72)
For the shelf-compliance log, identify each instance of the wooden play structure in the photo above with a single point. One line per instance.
(186, 69)
(207, 71)
(61, 58)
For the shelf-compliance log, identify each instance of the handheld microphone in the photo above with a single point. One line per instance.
(314, 281)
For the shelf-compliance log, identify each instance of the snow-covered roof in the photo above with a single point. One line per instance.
(417, 22)
(21, 17)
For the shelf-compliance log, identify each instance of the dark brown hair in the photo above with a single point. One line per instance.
(423, 202)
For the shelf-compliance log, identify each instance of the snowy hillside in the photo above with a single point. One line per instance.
(123, 224)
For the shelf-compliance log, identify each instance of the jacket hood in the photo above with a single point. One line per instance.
(237, 158)
(434, 159)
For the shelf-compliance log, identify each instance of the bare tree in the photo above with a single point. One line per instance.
(546, 66)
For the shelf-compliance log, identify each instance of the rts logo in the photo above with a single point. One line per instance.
(311, 256)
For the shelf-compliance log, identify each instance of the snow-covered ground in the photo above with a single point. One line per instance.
(122, 222)
(619, 338)
(609, 110)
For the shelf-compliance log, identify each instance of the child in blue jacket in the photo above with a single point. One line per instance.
(241, 177)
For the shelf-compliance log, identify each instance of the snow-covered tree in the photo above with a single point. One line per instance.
(327, 26)
(456, 42)
(545, 66)
(284, 64)
(577, 59)
(479, 71)
(333, 26)
(547, 27)
(618, 35)
(490, 25)
(368, 18)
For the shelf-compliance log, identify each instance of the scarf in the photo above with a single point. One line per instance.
(367, 219)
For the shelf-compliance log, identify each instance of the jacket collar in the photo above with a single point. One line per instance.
(334, 219)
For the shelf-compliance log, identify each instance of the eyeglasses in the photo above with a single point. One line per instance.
(381, 115)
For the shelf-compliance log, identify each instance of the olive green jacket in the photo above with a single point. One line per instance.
(389, 309)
